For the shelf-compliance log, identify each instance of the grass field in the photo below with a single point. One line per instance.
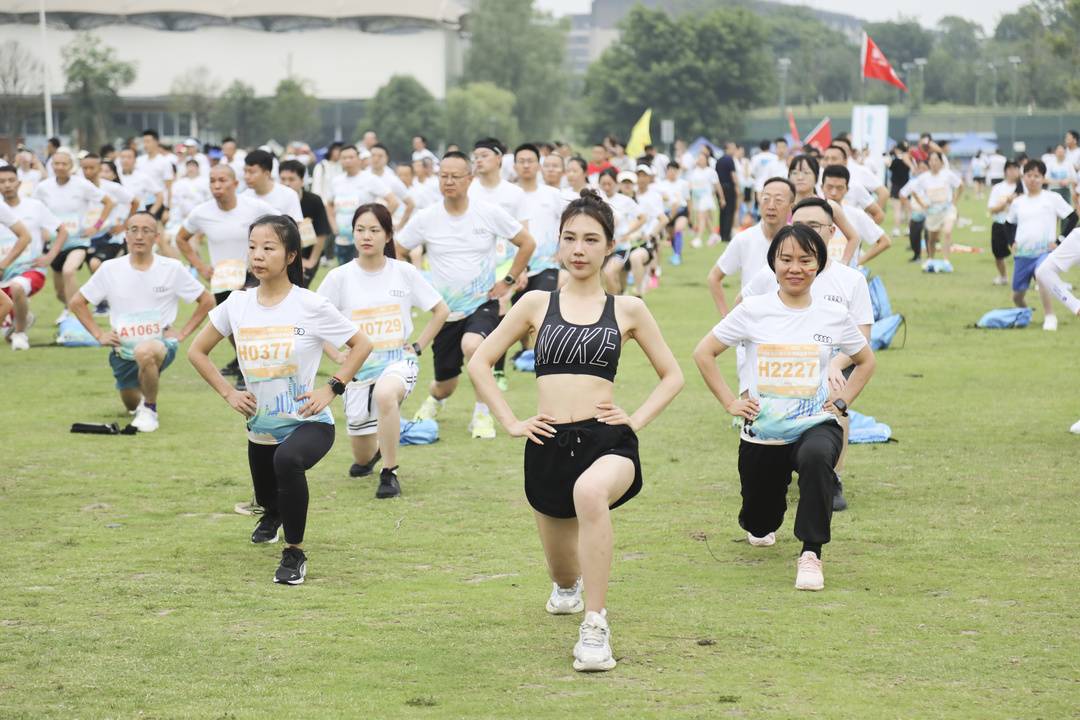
(131, 589)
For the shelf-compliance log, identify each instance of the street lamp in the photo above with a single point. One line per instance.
(993, 69)
(907, 68)
(782, 65)
(921, 64)
(1015, 61)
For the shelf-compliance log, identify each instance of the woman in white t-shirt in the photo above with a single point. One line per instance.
(704, 189)
(937, 191)
(790, 413)
(378, 294)
(280, 329)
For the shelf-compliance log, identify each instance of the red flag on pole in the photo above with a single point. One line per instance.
(821, 136)
(876, 66)
(794, 129)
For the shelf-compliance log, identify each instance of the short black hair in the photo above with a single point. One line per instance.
(780, 140)
(814, 201)
(808, 160)
(805, 237)
(778, 179)
(229, 138)
(90, 156)
(422, 139)
(841, 148)
(1035, 165)
(260, 158)
(1011, 164)
(382, 147)
(106, 149)
(491, 144)
(55, 142)
(764, 145)
(293, 166)
(8, 169)
(152, 133)
(459, 155)
(836, 171)
(350, 147)
(674, 165)
(1074, 133)
(527, 147)
(580, 162)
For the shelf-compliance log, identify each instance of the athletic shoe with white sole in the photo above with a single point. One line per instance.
(809, 575)
(565, 601)
(482, 427)
(1050, 323)
(146, 420)
(429, 410)
(695, 243)
(266, 530)
(293, 567)
(1075, 429)
(767, 541)
(592, 653)
(62, 316)
(19, 341)
(1001, 281)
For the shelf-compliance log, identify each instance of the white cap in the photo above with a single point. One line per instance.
(191, 142)
(646, 169)
(363, 152)
(627, 176)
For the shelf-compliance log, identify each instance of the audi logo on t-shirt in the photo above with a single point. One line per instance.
(822, 339)
(835, 299)
(298, 331)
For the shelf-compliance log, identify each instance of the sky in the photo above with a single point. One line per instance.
(985, 12)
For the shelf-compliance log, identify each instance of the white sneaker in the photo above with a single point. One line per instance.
(62, 316)
(137, 407)
(428, 410)
(146, 420)
(696, 242)
(1050, 323)
(1001, 281)
(565, 601)
(482, 426)
(19, 341)
(767, 541)
(1075, 429)
(592, 653)
(809, 576)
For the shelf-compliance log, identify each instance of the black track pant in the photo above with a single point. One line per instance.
(915, 236)
(765, 472)
(278, 473)
(727, 215)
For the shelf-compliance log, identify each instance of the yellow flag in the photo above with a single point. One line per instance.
(639, 136)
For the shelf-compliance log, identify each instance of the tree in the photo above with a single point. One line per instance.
(703, 71)
(522, 51)
(479, 110)
(94, 77)
(238, 112)
(20, 78)
(400, 110)
(294, 111)
(194, 92)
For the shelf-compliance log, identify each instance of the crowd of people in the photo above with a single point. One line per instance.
(537, 251)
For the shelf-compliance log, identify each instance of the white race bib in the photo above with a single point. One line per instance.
(228, 275)
(134, 328)
(267, 353)
(792, 371)
(92, 216)
(382, 324)
(307, 233)
(837, 245)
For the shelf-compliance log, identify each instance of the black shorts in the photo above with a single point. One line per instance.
(1002, 236)
(647, 248)
(446, 350)
(894, 191)
(249, 282)
(552, 469)
(157, 215)
(995, 181)
(546, 280)
(683, 212)
(747, 194)
(979, 180)
(58, 262)
(103, 250)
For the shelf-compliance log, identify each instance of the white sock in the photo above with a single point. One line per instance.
(480, 409)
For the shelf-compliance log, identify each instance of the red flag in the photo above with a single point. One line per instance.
(794, 130)
(876, 66)
(821, 136)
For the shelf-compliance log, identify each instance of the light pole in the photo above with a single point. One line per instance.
(782, 65)
(1015, 61)
(907, 68)
(993, 69)
(921, 64)
(45, 72)
(978, 79)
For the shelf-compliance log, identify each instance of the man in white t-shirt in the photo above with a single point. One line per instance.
(258, 176)
(862, 175)
(24, 223)
(1002, 232)
(348, 191)
(142, 290)
(834, 185)
(460, 236)
(189, 190)
(157, 165)
(1061, 174)
(110, 241)
(144, 186)
(858, 194)
(763, 165)
(1035, 214)
(421, 152)
(380, 160)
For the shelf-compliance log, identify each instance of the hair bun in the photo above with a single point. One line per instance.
(590, 195)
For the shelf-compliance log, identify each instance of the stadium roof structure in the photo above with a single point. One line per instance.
(266, 15)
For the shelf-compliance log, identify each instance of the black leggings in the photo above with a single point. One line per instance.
(915, 236)
(277, 471)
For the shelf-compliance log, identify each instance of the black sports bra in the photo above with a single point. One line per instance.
(569, 349)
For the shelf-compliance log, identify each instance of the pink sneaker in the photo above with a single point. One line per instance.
(809, 576)
(767, 541)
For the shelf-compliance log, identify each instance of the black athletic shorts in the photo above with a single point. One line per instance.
(683, 212)
(995, 181)
(552, 469)
(249, 282)
(546, 280)
(650, 248)
(103, 250)
(157, 215)
(446, 348)
(894, 191)
(58, 262)
(1002, 235)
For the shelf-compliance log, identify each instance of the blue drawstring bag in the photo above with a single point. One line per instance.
(1005, 318)
(884, 330)
(71, 333)
(526, 361)
(865, 429)
(937, 266)
(879, 299)
(419, 432)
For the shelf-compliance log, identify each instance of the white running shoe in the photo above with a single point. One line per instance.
(592, 653)
(1001, 280)
(565, 601)
(62, 316)
(137, 407)
(1075, 429)
(809, 576)
(146, 420)
(696, 242)
(429, 410)
(1050, 323)
(19, 341)
(482, 426)
(767, 541)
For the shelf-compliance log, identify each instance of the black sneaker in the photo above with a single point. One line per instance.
(293, 567)
(388, 484)
(358, 470)
(233, 368)
(266, 531)
(839, 504)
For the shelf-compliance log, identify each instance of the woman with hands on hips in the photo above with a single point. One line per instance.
(280, 329)
(581, 453)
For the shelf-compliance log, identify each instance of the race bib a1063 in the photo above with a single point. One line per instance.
(134, 328)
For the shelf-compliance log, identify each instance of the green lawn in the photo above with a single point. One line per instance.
(131, 589)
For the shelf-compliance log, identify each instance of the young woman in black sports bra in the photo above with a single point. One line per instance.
(581, 456)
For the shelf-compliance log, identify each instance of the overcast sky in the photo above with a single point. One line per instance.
(986, 12)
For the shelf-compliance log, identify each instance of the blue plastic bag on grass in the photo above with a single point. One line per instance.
(526, 361)
(1005, 318)
(865, 429)
(71, 333)
(419, 432)
(884, 330)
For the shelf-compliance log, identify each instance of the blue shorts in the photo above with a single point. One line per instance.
(1024, 269)
(126, 372)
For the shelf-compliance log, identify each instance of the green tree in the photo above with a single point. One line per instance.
(479, 110)
(400, 110)
(240, 113)
(703, 71)
(294, 111)
(20, 80)
(93, 77)
(523, 51)
(194, 92)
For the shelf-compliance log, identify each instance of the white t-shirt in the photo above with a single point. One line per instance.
(393, 182)
(544, 208)
(979, 164)
(761, 165)
(424, 195)
(995, 166)
(142, 185)
(1036, 219)
(279, 349)
(159, 168)
(1063, 259)
(869, 233)
(838, 284)
(1058, 174)
(746, 254)
(936, 191)
(70, 203)
(652, 204)
(142, 303)
(425, 153)
(122, 196)
(227, 237)
(787, 356)
(348, 192)
(282, 198)
(626, 211)
(380, 305)
(510, 198)
(862, 175)
(702, 182)
(677, 193)
(1073, 156)
(187, 193)
(858, 196)
(998, 193)
(461, 251)
(39, 222)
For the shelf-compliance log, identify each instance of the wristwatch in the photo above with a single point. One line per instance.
(841, 406)
(336, 385)
(416, 348)
(509, 280)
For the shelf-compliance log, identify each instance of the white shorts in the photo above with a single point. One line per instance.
(361, 412)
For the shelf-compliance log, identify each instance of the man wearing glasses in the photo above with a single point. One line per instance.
(142, 290)
(460, 237)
